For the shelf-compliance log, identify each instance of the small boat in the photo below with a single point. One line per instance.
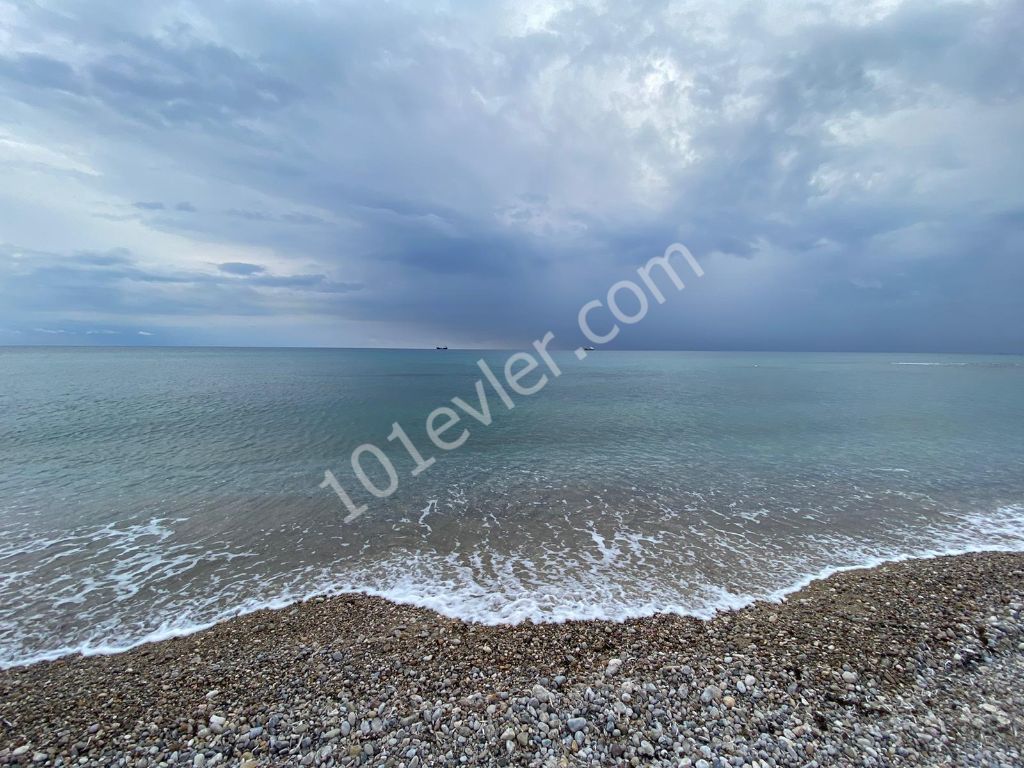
(588, 349)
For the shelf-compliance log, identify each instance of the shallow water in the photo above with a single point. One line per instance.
(145, 493)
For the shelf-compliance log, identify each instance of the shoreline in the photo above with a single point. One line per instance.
(356, 679)
(279, 604)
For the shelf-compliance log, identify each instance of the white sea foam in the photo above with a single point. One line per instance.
(607, 580)
(582, 599)
(425, 513)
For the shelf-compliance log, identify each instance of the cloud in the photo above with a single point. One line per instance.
(240, 268)
(115, 289)
(394, 174)
(39, 71)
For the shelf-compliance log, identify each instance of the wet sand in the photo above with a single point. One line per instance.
(912, 663)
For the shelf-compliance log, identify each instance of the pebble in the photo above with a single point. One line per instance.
(767, 686)
(711, 693)
(575, 724)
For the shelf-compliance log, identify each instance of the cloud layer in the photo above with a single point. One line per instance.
(399, 174)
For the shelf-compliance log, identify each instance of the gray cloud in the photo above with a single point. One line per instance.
(848, 172)
(39, 71)
(67, 286)
(240, 268)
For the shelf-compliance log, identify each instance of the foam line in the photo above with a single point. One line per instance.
(509, 601)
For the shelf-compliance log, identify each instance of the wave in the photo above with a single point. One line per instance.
(962, 363)
(1003, 532)
(589, 595)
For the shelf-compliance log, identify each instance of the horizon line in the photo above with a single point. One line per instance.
(508, 348)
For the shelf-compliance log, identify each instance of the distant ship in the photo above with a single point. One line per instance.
(588, 349)
(440, 347)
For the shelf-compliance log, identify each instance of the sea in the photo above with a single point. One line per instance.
(149, 493)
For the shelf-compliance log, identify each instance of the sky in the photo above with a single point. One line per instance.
(297, 172)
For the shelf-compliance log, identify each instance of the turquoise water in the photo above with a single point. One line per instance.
(144, 493)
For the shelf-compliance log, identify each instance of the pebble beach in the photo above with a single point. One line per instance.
(910, 663)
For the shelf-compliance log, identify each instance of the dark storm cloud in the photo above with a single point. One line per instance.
(847, 172)
(69, 285)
